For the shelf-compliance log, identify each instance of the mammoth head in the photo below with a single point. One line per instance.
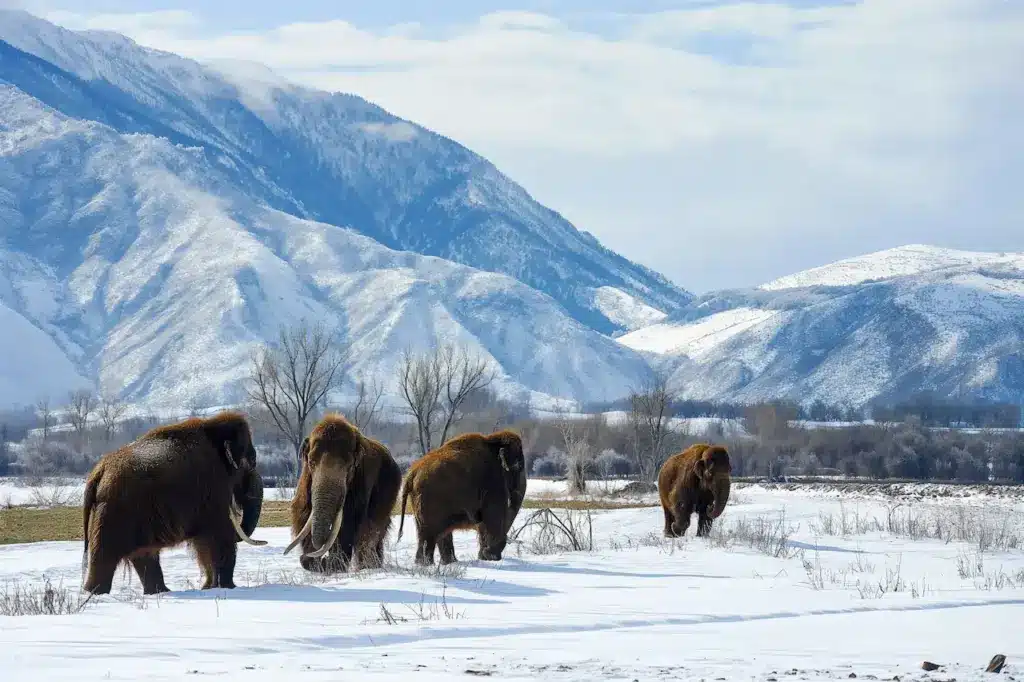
(229, 432)
(509, 448)
(714, 475)
(331, 455)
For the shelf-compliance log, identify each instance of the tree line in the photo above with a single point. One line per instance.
(447, 390)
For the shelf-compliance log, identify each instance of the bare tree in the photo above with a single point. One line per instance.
(110, 410)
(81, 404)
(435, 386)
(649, 425)
(291, 379)
(45, 414)
(367, 409)
(578, 450)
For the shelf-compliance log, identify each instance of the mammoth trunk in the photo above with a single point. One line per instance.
(328, 504)
(722, 486)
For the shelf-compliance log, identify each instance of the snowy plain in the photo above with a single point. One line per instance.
(790, 586)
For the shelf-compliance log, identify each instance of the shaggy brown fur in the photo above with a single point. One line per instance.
(696, 479)
(471, 482)
(342, 467)
(174, 484)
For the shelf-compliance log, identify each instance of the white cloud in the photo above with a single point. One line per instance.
(801, 135)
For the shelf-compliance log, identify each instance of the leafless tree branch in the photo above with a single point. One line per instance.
(435, 387)
(291, 379)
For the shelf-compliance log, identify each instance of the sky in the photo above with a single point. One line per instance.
(722, 144)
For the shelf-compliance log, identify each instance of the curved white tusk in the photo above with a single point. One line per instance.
(235, 514)
(302, 533)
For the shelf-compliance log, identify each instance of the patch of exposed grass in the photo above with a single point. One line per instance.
(62, 523)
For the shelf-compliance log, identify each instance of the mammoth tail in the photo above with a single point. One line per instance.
(405, 497)
(88, 501)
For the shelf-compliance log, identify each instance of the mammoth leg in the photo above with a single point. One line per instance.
(151, 574)
(682, 512)
(103, 562)
(425, 548)
(371, 547)
(217, 555)
(703, 515)
(669, 533)
(491, 532)
(446, 548)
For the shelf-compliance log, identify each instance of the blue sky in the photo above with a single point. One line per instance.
(723, 144)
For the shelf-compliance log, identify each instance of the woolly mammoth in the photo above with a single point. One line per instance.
(194, 481)
(344, 498)
(696, 479)
(471, 482)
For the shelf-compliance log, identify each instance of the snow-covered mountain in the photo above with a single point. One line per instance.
(334, 158)
(159, 218)
(880, 326)
(138, 262)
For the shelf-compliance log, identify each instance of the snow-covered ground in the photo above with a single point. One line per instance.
(840, 596)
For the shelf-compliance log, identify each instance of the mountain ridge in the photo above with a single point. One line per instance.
(153, 274)
(329, 157)
(877, 327)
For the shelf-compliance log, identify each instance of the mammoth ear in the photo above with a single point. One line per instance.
(304, 449)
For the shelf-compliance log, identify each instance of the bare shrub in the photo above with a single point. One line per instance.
(421, 611)
(764, 535)
(17, 599)
(984, 528)
(565, 530)
(57, 495)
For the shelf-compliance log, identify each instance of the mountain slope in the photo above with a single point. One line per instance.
(151, 272)
(336, 159)
(876, 327)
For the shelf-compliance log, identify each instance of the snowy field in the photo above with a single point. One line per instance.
(789, 587)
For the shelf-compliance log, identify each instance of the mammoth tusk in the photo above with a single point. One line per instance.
(235, 514)
(231, 457)
(302, 534)
(330, 541)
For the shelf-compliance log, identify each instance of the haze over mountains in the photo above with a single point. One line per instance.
(161, 217)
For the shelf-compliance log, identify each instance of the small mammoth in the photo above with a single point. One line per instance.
(194, 481)
(344, 498)
(472, 481)
(696, 479)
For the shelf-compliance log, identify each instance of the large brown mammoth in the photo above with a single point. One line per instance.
(696, 479)
(194, 481)
(344, 498)
(473, 481)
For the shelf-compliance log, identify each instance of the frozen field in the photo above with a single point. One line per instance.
(791, 586)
